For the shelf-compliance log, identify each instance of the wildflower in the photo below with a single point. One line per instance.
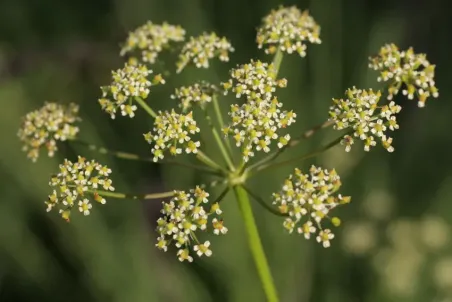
(184, 255)
(255, 80)
(360, 111)
(288, 29)
(84, 206)
(201, 49)
(307, 229)
(199, 93)
(218, 226)
(74, 183)
(44, 127)
(324, 237)
(308, 199)
(184, 214)
(203, 249)
(255, 125)
(172, 132)
(150, 39)
(405, 67)
(128, 83)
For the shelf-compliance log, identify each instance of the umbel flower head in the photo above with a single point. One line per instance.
(44, 127)
(255, 80)
(256, 124)
(288, 29)
(308, 200)
(128, 83)
(360, 111)
(199, 50)
(76, 185)
(172, 132)
(198, 93)
(150, 39)
(184, 214)
(405, 67)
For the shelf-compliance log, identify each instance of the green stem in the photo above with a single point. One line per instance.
(263, 203)
(310, 132)
(132, 196)
(306, 156)
(255, 244)
(222, 195)
(219, 116)
(292, 143)
(202, 157)
(277, 59)
(131, 156)
(145, 106)
(216, 135)
(191, 166)
(105, 151)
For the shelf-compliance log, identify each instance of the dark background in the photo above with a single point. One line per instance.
(394, 242)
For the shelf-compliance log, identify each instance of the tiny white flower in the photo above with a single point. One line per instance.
(184, 255)
(203, 249)
(84, 206)
(324, 237)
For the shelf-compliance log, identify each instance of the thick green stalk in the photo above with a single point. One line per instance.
(255, 244)
(145, 106)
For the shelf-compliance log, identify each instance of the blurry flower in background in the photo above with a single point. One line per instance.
(199, 50)
(44, 127)
(399, 264)
(442, 273)
(403, 250)
(405, 67)
(359, 238)
(378, 205)
(402, 265)
(434, 232)
(399, 269)
(289, 30)
(403, 232)
(150, 39)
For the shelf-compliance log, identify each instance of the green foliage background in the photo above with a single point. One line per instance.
(64, 50)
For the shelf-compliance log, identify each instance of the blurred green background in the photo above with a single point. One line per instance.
(394, 244)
